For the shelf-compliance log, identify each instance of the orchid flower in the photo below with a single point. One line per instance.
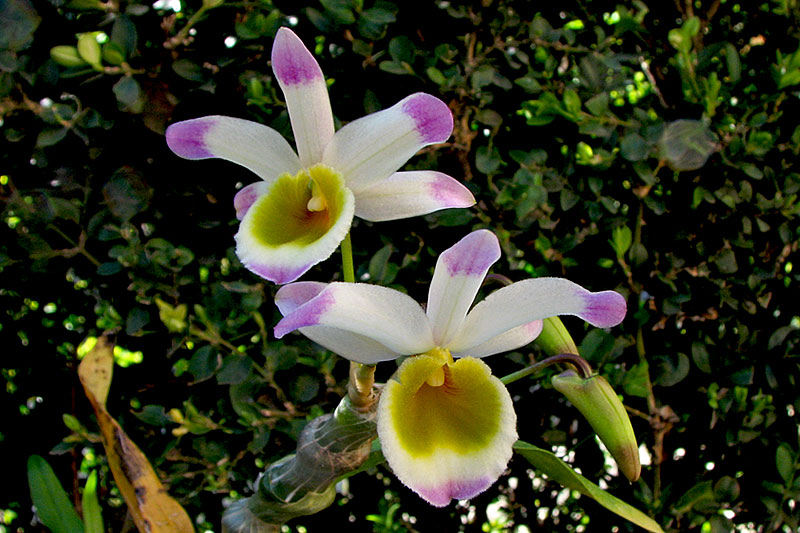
(446, 425)
(304, 206)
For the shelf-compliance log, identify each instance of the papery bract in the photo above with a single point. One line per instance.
(446, 426)
(303, 208)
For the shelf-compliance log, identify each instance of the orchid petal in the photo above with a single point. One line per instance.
(535, 299)
(279, 239)
(248, 196)
(370, 149)
(506, 341)
(459, 272)
(409, 194)
(252, 145)
(349, 345)
(306, 94)
(451, 441)
(384, 315)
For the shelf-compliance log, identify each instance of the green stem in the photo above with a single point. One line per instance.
(362, 377)
(347, 260)
(580, 364)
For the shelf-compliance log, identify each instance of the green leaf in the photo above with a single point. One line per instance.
(486, 160)
(636, 379)
(380, 269)
(697, 495)
(127, 91)
(51, 501)
(18, 21)
(687, 144)
(235, 369)
(92, 514)
(671, 369)
(90, 50)
(67, 56)
(547, 463)
(49, 137)
(784, 460)
(621, 240)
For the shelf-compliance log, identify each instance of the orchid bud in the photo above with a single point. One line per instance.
(554, 338)
(597, 401)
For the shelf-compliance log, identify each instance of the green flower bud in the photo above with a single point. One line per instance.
(554, 338)
(67, 56)
(596, 400)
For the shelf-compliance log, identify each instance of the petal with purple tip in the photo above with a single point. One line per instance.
(372, 148)
(386, 316)
(447, 441)
(459, 272)
(252, 145)
(409, 194)
(306, 94)
(535, 299)
(351, 346)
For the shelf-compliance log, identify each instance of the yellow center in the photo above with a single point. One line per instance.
(299, 209)
(436, 403)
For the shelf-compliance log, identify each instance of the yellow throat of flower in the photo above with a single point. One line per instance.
(437, 376)
(300, 209)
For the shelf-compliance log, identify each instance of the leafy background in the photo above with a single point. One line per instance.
(651, 148)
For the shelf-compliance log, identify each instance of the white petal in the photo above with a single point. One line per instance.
(306, 94)
(384, 315)
(252, 145)
(372, 148)
(459, 272)
(450, 441)
(535, 299)
(349, 345)
(410, 194)
(505, 342)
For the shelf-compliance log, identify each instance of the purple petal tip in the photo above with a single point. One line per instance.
(305, 315)
(187, 138)
(472, 255)
(292, 62)
(454, 490)
(448, 192)
(278, 274)
(434, 121)
(604, 309)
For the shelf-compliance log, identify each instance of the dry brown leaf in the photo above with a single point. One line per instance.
(96, 369)
(152, 508)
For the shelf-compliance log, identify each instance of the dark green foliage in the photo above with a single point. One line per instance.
(634, 146)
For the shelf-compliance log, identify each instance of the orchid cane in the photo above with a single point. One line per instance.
(304, 206)
(446, 426)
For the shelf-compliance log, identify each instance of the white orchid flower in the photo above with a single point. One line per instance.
(304, 206)
(446, 425)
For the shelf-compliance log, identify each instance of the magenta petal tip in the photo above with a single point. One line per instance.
(434, 121)
(472, 255)
(292, 62)
(305, 315)
(187, 138)
(454, 490)
(604, 309)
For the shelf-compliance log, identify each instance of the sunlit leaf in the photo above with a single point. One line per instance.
(52, 503)
(556, 469)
